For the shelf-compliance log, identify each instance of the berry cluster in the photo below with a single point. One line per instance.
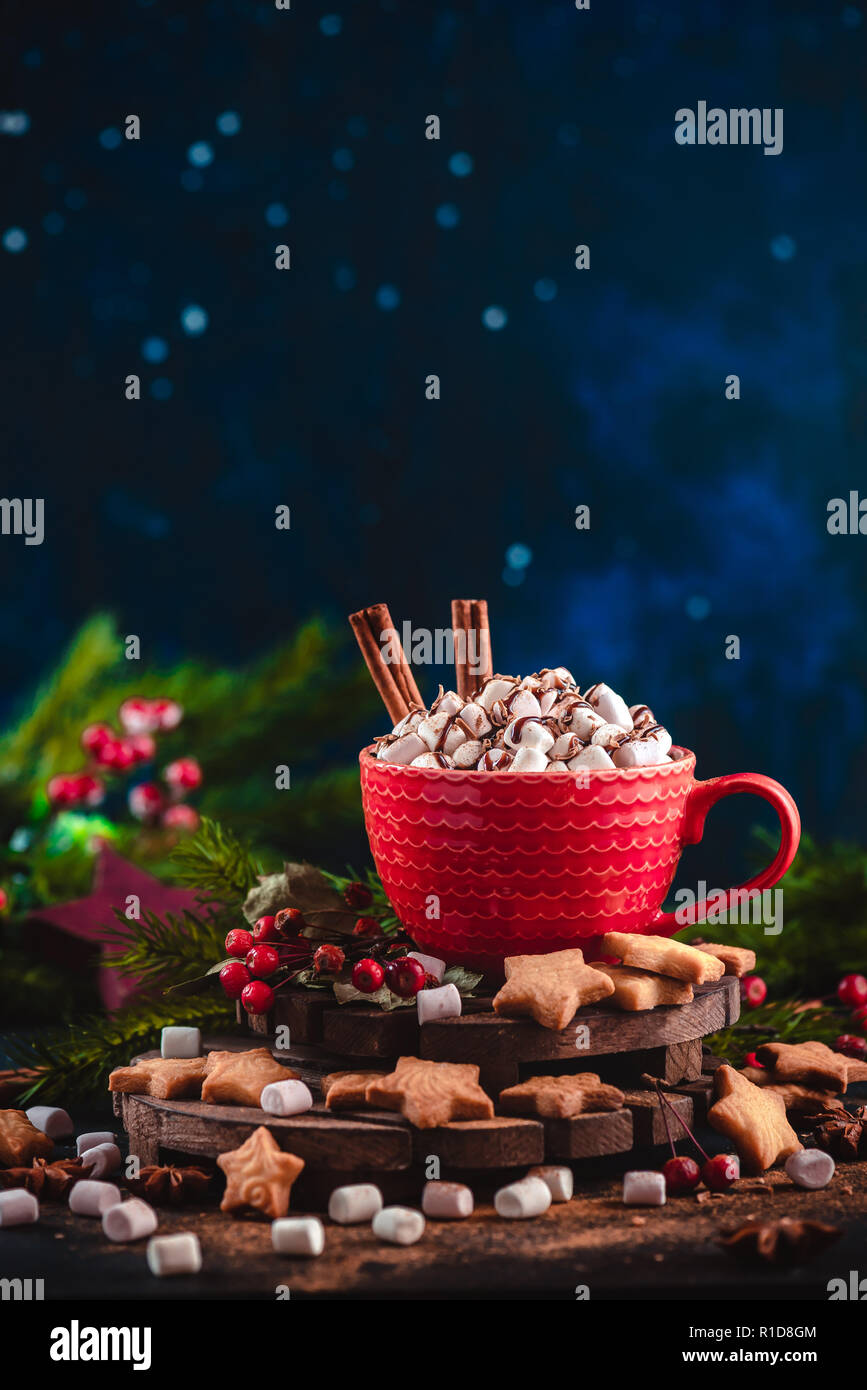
(683, 1174)
(112, 754)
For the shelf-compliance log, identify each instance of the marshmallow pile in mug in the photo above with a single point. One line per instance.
(539, 724)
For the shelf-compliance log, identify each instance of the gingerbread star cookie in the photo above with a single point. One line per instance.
(167, 1078)
(560, 1097)
(807, 1064)
(20, 1141)
(346, 1090)
(753, 1118)
(640, 989)
(550, 988)
(799, 1099)
(259, 1176)
(662, 956)
(238, 1078)
(737, 959)
(430, 1094)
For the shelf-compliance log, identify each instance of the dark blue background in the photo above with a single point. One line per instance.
(708, 516)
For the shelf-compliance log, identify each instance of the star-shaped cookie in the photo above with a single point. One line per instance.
(806, 1063)
(636, 990)
(662, 956)
(167, 1078)
(560, 1097)
(801, 1099)
(259, 1176)
(238, 1078)
(550, 988)
(430, 1094)
(20, 1141)
(347, 1090)
(754, 1119)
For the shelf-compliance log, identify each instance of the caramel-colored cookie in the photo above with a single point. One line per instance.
(429, 1094)
(238, 1078)
(807, 1063)
(801, 1099)
(259, 1176)
(345, 1090)
(20, 1141)
(738, 960)
(855, 1070)
(166, 1078)
(560, 1097)
(662, 956)
(753, 1118)
(640, 989)
(550, 988)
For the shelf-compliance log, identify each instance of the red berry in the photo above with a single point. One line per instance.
(96, 736)
(289, 921)
(754, 991)
(367, 975)
(257, 997)
(366, 926)
(681, 1174)
(238, 942)
(141, 746)
(4, 899)
(69, 789)
(852, 1046)
(328, 959)
(265, 929)
(137, 716)
(720, 1172)
(357, 895)
(751, 1060)
(262, 961)
(859, 1016)
(145, 801)
(234, 977)
(852, 990)
(183, 775)
(181, 817)
(167, 713)
(405, 976)
(117, 756)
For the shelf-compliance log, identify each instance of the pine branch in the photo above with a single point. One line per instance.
(161, 950)
(216, 863)
(776, 1021)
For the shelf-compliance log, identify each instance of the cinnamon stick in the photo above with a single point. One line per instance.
(386, 661)
(472, 638)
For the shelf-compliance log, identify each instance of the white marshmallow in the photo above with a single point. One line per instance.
(558, 1179)
(644, 1189)
(447, 1201)
(432, 964)
(410, 722)
(637, 753)
(589, 758)
(399, 1225)
(641, 715)
(557, 679)
(298, 1235)
(177, 1254)
(449, 702)
(524, 705)
(90, 1141)
(433, 729)
(609, 704)
(101, 1160)
(469, 753)
(529, 735)
(566, 746)
(548, 701)
(181, 1042)
(290, 1097)
(438, 1003)
(432, 760)
(51, 1120)
(407, 747)
(521, 1200)
(132, 1220)
(475, 716)
(495, 760)
(655, 733)
(529, 760)
(607, 736)
(89, 1198)
(496, 688)
(557, 765)
(18, 1207)
(356, 1202)
(810, 1168)
(580, 718)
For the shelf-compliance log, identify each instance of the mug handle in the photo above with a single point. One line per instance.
(701, 797)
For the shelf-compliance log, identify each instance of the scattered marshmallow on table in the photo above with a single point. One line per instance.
(90, 1141)
(181, 1042)
(51, 1120)
(811, 1168)
(286, 1098)
(89, 1198)
(644, 1189)
(132, 1220)
(444, 1002)
(18, 1207)
(177, 1254)
(101, 1160)
(447, 1201)
(356, 1202)
(298, 1235)
(399, 1225)
(521, 1200)
(558, 1179)
(432, 964)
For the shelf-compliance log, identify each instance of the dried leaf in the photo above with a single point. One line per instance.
(785, 1242)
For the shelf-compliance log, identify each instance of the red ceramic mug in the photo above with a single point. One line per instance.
(481, 865)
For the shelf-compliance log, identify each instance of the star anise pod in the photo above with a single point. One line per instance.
(168, 1186)
(45, 1179)
(841, 1133)
(785, 1242)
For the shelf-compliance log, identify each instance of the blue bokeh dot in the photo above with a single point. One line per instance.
(461, 164)
(200, 154)
(447, 215)
(194, 320)
(494, 317)
(343, 160)
(344, 277)
(53, 223)
(783, 248)
(14, 122)
(545, 289)
(75, 200)
(110, 138)
(513, 577)
(228, 123)
(14, 239)
(330, 24)
(518, 556)
(276, 214)
(155, 349)
(697, 607)
(161, 388)
(388, 297)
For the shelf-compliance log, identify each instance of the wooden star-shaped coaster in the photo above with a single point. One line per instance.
(20, 1141)
(430, 1094)
(754, 1119)
(347, 1090)
(560, 1097)
(167, 1078)
(806, 1063)
(238, 1078)
(550, 988)
(259, 1176)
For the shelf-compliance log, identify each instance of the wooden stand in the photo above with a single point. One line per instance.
(313, 1035)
